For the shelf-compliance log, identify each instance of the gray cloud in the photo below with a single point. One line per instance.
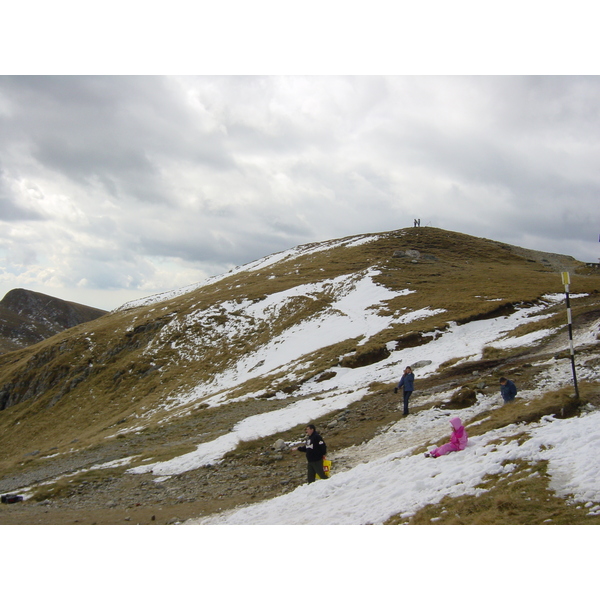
(140, 184)
(115, 130)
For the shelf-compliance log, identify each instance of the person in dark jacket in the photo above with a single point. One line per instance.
(407, 381)
(315, 450)
(508, 389)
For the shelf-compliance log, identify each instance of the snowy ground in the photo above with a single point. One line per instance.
(382, 477)
(316, 399)
(402, 483)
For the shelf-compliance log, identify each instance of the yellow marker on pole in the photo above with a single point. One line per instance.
(566, 279)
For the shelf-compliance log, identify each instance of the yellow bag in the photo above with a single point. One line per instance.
(326, 468)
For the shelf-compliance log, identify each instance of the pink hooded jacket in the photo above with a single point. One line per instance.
(458, 439)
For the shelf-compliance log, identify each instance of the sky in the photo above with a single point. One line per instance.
(117, 183)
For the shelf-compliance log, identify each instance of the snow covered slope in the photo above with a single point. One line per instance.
(349, 385)
(401, 482)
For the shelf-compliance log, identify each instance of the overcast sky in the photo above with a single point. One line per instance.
(117, 187)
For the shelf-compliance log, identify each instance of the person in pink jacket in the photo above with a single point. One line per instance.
(458, 440)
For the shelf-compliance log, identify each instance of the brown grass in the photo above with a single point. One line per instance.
(520, 497)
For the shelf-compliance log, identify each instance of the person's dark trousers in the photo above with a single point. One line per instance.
(315, 468)
(406, 397)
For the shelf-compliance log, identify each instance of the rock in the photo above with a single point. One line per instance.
(279, 445)
(462, 398)
(365, 356)
(420, 364)
(332, 424)
(325, 376)
(111, 504)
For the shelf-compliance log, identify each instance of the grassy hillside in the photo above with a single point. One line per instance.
(153, 380)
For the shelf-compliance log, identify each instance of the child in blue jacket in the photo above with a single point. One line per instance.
(508, 389)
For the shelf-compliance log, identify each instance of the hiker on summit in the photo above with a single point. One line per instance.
(315, 450)
(508, 389)
(407, 381)
(458, 440)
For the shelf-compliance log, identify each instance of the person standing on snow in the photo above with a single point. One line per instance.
(508, 389)
(407, 381)
(458, 440)
(315, 450)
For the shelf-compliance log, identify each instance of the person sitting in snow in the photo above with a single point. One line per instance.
(458, 440)
(508, 389)
(408, 382)
(315, 450)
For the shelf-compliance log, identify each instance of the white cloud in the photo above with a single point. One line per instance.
(128, 183)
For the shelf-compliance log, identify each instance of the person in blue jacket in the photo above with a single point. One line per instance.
(407, 381)
(508, 389)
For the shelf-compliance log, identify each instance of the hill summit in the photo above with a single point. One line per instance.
(187, 401)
